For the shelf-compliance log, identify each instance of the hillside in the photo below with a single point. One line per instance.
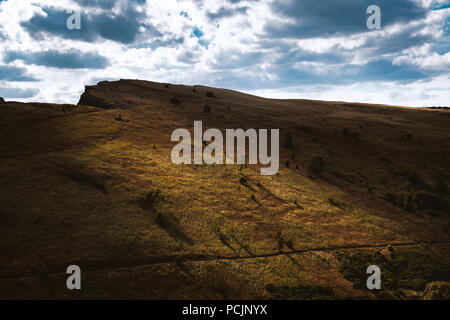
(93, 184)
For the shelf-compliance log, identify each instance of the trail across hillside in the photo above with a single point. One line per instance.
(92, 266)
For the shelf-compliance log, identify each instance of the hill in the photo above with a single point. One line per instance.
(93, 184)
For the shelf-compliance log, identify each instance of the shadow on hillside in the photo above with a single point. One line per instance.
(171, 225)
(80, 177)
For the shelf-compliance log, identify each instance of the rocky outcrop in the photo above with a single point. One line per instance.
(90, 98)
(103, 95)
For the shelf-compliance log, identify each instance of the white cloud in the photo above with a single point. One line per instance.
(235, 51)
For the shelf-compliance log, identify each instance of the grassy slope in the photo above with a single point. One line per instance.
(74, 181)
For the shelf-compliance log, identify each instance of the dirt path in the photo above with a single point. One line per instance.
(95, 266)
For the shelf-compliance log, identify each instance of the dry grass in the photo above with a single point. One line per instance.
(72, 182)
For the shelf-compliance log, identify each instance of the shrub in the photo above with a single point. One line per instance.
(243, 180)
(206, 109)
(427, 200)
(287, 143)
(287, 163)
(414, 178)
(175, 101)
(149, 200)
(335, 202)
(166, 86)
(252, 197)
(408, 137)
(2, 100)
(290, 244)
(409, 204)
(194, 91)
(354, 135)
(316, 165)
(210, 94)
(345, 131)
(441, 187)
(280, 244)
(390, 197)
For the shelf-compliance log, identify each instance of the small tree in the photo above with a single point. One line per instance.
(288, 141)
(175, 101)
(345, 131)
(316, 165)
(207, 109)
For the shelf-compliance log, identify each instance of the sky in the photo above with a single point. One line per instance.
(309, 49)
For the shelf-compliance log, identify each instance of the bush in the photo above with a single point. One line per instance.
(149, 200)
(2, 100)
(287, 163)
(390, 197)
(207, 109)
(408, 137)
(290, 244)
(441, 187)
(175, 101)
(316, 165)
(426, 200)
(210, 94)
(287, 143)
(354, 135)
(345, 131)
(335, 202)
(409, 205)
(243, 180)
(166, 86)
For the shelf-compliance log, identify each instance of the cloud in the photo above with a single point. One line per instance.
(251, 45)
(331, 18)
(125, 26)
(224, 12)
(6, 92)
(72, 59)
(11, 73)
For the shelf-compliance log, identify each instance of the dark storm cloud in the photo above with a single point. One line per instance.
(407, 38)
(104, 4)
(226, 13)
(10, 73)
(384, 70)
(123, 27)
(17, 92)
(72, 59)
(336, 17)
(286, 76)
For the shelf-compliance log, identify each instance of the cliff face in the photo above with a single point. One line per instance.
(94, 185)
